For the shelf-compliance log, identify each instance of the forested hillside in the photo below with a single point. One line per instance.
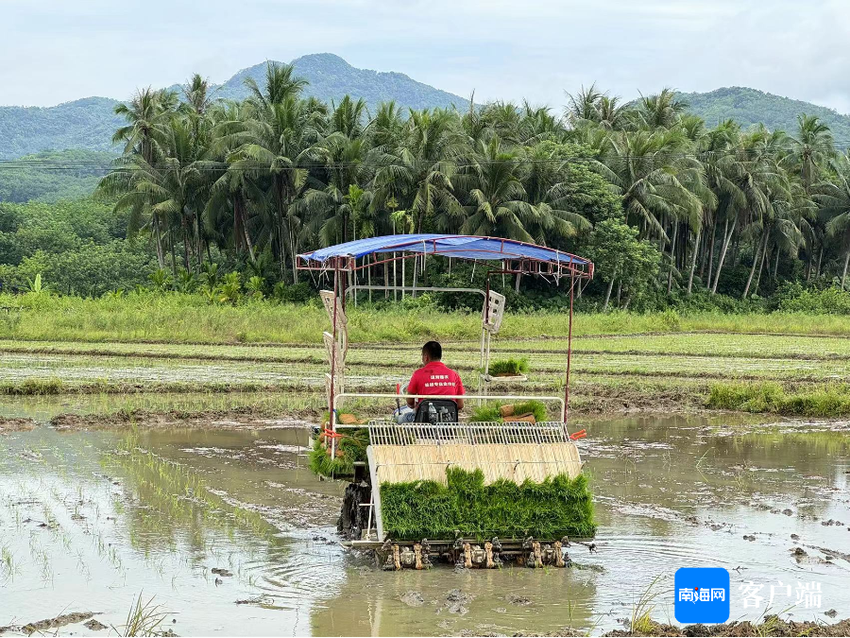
(53, 175)
(89, 123)
(750, 107)
(82, 124)
(330, 78)
(672, 211)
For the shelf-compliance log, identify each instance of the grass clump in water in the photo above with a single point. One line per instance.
(492, 413)
(556, 507)
(827, 401)
(33, 387)
(350, 448)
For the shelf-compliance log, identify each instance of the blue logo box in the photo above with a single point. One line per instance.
(701, 595)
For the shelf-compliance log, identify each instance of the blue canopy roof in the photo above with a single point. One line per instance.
(461, 246)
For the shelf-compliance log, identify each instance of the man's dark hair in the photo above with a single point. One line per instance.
(434, 350)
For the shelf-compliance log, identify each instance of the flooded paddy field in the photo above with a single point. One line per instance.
(228, 531)
(667, 371)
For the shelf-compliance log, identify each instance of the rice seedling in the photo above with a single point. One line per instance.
(508, 367)
(7, 563)
(830, 400)
(494, 413)
(143, 619)
(641, 622)
(33, 386)
(350, 448)
(556, 507)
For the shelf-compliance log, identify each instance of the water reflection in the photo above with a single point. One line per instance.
(91, 519)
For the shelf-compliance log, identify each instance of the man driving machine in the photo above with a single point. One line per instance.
(433, 378)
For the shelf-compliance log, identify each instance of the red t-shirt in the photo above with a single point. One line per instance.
(435, 378)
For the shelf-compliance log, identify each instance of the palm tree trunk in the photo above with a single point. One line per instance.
(200, 241)
(844, 274)
(760, 245)
(248, 243)
(712, 240)
(694, 260)
(726, 239)
(173, 255)
(238, 236)
(294, 253)
(610, 288)
(672, 257)
(240, 230)
(160, 257)
(516, 286)
(187, 247)
(281, 231)
(761, 267)
(776, 263)
(735, 247)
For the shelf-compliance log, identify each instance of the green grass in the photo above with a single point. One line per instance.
(552, 509)
(33, 386)
(181, 318)
(832, 400)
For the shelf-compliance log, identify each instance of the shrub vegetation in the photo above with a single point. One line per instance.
(827, 401)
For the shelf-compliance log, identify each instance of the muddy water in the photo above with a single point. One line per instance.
(88, 521)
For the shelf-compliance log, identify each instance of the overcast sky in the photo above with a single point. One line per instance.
(53, 51)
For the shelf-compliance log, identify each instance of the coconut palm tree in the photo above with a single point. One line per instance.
(385, 130)
(811, 148)
(657, 181)
(167, 189)
(663, 110)
(747, 179)
(277, 143)
(347, 117)
(498, 204)
(418, 172)
(583, 107)
(833, 196)
(281, 84)
(147, 113)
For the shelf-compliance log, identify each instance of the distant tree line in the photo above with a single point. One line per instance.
(667, 207)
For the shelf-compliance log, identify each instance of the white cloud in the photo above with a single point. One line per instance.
(56, 50)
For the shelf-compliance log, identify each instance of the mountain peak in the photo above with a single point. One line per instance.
(330, 78)
(749, 107)
(323, 58)
(90, 122)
